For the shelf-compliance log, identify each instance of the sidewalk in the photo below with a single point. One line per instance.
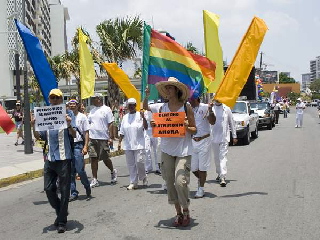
(16, 166)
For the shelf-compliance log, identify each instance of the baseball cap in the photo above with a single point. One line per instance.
(131, 101)
(56, 92)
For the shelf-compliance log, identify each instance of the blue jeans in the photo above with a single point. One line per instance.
(77, 166)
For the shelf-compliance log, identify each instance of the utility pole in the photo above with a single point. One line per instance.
(260, 62)
(16, 59)
(28, 149)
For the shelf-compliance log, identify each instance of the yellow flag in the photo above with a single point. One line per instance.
(242, 63)
(211, 24)
(87, 73)
(123, 81)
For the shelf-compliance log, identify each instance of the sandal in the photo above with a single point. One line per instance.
(185, 219)
(178, 220)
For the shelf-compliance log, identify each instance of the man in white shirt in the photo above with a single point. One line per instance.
(81, 142)
(299, 115)
(221, 137)
(100, 120)
(200, 160)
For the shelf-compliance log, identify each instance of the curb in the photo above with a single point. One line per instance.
(4, 182)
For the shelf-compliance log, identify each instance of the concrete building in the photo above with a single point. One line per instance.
(315, 69)
(305, 81)
(36, 15)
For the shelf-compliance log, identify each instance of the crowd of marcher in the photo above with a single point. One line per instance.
(207, 136)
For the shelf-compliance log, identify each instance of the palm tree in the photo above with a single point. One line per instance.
(120, 39)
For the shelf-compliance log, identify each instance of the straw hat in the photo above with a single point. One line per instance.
(173, 82)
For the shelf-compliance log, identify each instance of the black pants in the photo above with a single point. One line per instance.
(276, 114)
(53, 170)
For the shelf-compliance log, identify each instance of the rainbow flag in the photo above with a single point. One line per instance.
(163, 58)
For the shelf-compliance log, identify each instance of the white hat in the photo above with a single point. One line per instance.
(299, 99)
(98, 95)
(131, 101)
(173, 82)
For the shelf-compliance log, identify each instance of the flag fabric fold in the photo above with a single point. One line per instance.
(242, 63)
(38, 61)
(123, 81)
(87, 72)
(213, 48)
(6, 122)
(166, 58)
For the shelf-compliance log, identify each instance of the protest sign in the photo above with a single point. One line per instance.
(169, 124)
(50, 117)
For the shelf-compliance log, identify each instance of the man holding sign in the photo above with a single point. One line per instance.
(176, 145)
(59, 141)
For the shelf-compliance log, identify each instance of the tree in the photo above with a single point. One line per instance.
(189, 46)
(283, 78)
(120, 40)
(315, 86)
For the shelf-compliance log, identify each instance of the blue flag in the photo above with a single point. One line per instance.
(38, 61)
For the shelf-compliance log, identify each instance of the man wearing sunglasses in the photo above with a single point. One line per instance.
(58, 164)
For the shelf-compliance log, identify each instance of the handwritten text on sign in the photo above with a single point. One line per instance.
(50, 117)
(169, 124)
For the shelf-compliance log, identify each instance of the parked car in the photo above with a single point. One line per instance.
(246, 121)
(266, 114)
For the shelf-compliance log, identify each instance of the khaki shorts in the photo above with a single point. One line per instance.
(99, 149)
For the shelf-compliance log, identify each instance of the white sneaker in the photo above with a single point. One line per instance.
(132, 186)
(164, 186)
(223, 182)
(114, 176)
(94, 183)
(296, 126)
(145, 182)
(199, 193)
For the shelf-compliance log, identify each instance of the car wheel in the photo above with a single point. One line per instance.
(246, 139)
(255, 134)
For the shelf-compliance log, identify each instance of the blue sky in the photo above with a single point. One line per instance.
(292, 41)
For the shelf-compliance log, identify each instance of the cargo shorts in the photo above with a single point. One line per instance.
(99, 148)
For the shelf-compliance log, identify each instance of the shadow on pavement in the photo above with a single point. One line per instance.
(216, 182)
(168, 224)
(244, 194)
(40, 202)
(71, 225)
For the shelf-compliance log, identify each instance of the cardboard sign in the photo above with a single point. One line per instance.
(169, 124)
(50, 117)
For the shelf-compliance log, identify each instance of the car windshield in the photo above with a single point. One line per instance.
(240, 107)
(259, 106)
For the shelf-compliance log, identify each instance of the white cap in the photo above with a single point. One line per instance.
(98, 95)
(131, 101)
(299, 99)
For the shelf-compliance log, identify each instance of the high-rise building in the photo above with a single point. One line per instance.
(36, 15)
(305, 81)
(315, 69)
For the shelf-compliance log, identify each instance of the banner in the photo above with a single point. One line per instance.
(211, 24)
(169, 124)
(50, 117)
(87, 73)
(6, 122)
(242, 63)
(38, 61)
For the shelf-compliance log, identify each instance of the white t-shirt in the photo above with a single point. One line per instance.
(202, 123)
(148, 116)
(82, 124)
(99, 120)
(176, 146)
(224, 124)
(155, 107)
(133, 132)
(300, 107)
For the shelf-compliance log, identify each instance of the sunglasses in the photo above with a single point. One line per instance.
(54, 97)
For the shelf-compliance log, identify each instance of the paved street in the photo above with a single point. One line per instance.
(272, 193)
